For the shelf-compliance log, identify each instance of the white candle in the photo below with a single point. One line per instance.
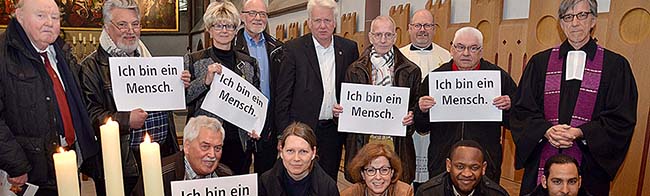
(112, 158)
(151, 167)
(65, 167)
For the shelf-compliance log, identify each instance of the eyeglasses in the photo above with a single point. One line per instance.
(461, 48)
(253, 14)
(427, 26)
(579, 15)
(229, 27)
(373, 171)
(125, 26)
(378, 35)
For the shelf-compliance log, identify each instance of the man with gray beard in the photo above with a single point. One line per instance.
(120, 37)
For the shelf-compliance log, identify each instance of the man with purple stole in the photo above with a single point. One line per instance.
(590, 117)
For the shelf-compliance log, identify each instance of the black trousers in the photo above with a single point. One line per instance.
(233, 154)
(329, 147)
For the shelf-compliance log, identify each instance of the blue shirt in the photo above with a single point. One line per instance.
(258, 51)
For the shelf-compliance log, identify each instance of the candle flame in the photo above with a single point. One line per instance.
(147, 139)
(61, 150)
(109, 119)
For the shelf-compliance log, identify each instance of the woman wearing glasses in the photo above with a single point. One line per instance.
(298, 173)
(220, 21)
(376, 170)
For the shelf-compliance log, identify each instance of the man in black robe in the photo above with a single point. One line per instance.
(591, 119)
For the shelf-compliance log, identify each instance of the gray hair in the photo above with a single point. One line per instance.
(109, 5)
(220, 11)
(194, 125)
(565, 5)
(469, 30)
(329, 4)
(266, 4)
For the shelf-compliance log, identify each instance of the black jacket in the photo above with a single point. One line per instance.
(299, 85)
(98, 94)
(441, 185)
(407, 74)
(274, 54)
(30, 122)
(272, 182)
(488, 134)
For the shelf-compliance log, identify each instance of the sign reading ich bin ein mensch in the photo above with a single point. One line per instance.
(237, 101)
(241, 185)
(150, 83)
(464, 95)
(369, 109)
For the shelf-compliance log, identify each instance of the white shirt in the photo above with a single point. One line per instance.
(427, 60)
(458, 194)
(51, 55)
(327, 64)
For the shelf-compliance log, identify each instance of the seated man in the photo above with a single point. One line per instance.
(465, 169)
(561, 177)
(202, 147)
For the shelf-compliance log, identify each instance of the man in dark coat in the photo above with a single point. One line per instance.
(309, 81)
(401, 73)
(467, 55)
(41, 107)
(465, 174)
(591, 118)
(253, 41)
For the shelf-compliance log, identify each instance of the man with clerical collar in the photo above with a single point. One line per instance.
(202, 148)
(428, 56)
(561, 178)
(422, 51)
(254, 41)
(42, 109)
(467, 52)
(590, 118)
(466, 167)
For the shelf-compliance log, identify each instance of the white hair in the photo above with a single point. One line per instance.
(471, 31)
(124, 4)
(194, 125)
(329, 4)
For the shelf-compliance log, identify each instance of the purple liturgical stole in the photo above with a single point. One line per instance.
(584, 107)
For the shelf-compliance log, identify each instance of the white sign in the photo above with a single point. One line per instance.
(242, 185)
(232, 98)
(7, 189)
(150, 83)
(372, 109)
(464, 95)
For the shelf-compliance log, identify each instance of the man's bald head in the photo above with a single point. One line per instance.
(421, 28)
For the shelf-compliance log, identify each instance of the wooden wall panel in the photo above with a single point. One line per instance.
(628, 32)
(401, 15)
(486, 16)
(349, 30)
(441, 16)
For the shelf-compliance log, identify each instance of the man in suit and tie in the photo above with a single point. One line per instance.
(309, 82)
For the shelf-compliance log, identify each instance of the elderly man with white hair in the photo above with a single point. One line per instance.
(202, 148)
(467, 53)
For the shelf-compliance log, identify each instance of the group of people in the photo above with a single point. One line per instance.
(571, 135)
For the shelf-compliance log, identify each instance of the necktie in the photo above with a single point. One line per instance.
(61, 100)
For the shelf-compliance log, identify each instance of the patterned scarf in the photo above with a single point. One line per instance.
(382, 67)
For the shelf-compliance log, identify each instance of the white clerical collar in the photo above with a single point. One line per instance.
(458, 194)
(317, 44)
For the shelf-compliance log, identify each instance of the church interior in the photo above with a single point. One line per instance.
(513, 30)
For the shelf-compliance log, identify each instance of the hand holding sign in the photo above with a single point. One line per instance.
(464, 96)
(213, 68)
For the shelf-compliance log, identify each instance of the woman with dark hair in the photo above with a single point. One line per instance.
(375, 170)
(298, 173)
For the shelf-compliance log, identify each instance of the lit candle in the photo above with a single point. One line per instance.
(112, 158)
(74, 40)
(151, 167)
(79, 36)
(65, 167)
